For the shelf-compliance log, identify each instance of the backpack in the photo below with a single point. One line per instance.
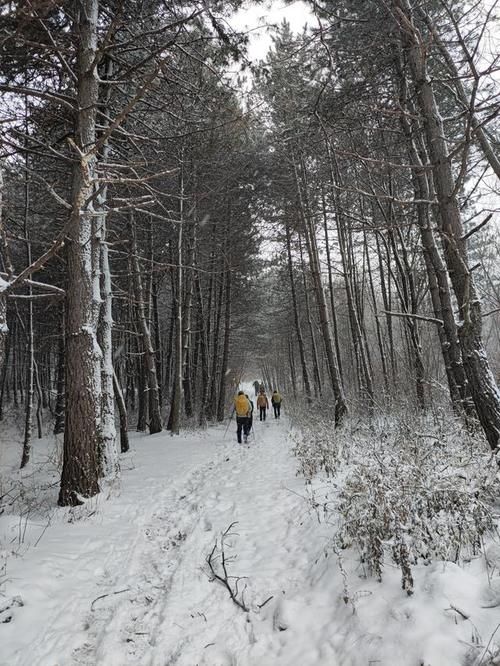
(262, 400)
(276, 398)
(242, 405)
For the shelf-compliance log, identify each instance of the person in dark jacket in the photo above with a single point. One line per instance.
(247, 427)
(276, 403)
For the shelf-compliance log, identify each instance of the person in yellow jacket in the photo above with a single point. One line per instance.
(243, 410)
(276, 403)
(262, 404)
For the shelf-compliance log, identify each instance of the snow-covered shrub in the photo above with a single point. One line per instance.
(411, 490)
(315, 443)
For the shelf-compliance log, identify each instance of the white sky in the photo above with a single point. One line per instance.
(258, 19)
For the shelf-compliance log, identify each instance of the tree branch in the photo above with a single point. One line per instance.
(413, 316)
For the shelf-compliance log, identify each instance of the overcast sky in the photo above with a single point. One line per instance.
(257, 18)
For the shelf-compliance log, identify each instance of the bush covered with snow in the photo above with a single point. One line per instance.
(414, 490)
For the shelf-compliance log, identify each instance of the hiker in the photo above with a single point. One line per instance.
(243, 409)
(256, 386)
(262, 404)
(276, 403)
(248, 425)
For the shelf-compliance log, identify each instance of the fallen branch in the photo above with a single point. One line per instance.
(462, 614)
(109, 594)
(224, 578)
(265, 602)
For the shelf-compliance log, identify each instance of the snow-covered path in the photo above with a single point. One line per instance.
(129, 584)
(124, 580)
(176, 614)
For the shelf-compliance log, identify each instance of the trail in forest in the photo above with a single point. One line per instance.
(127, 581)
(174, 613)
(124, 579)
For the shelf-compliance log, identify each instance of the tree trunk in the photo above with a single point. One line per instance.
(83, 360)
(204, 353)
(383, 358)
(225, 350)
(4, 331)
(158, 340)
(212, 400)
(293, 373)
(175, 410)
(330, 284)
(122, 409)
(60, 397)
(30, 388)
(318, 389)
(3, 382)
(155, 424)
(39, 403)
(104, 295)
(300, 340)
(186, 333)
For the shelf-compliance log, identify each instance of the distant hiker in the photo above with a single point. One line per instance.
(262, 404)
(276, 403)
(248, 425)
(243, 409)
(256, 386)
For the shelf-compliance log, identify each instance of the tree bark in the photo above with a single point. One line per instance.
(122, 409)
(331, 285)
(4, 331)
(175, 410)
(60, 397)
(225, 349)
(318, 388)
(83, 355)
(298, 330)
(104, 296)
(30, 388)
(155, 423)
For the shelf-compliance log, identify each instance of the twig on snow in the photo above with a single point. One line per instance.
(462, 614)
(265, 602)
(102, 596)
(224, 578)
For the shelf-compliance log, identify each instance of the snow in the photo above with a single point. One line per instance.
(123, 580)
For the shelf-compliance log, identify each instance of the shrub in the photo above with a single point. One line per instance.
(412, 490)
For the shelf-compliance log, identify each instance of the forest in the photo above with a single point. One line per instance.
(179, 220)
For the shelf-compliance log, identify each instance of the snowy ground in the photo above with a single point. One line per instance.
(124, 580)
